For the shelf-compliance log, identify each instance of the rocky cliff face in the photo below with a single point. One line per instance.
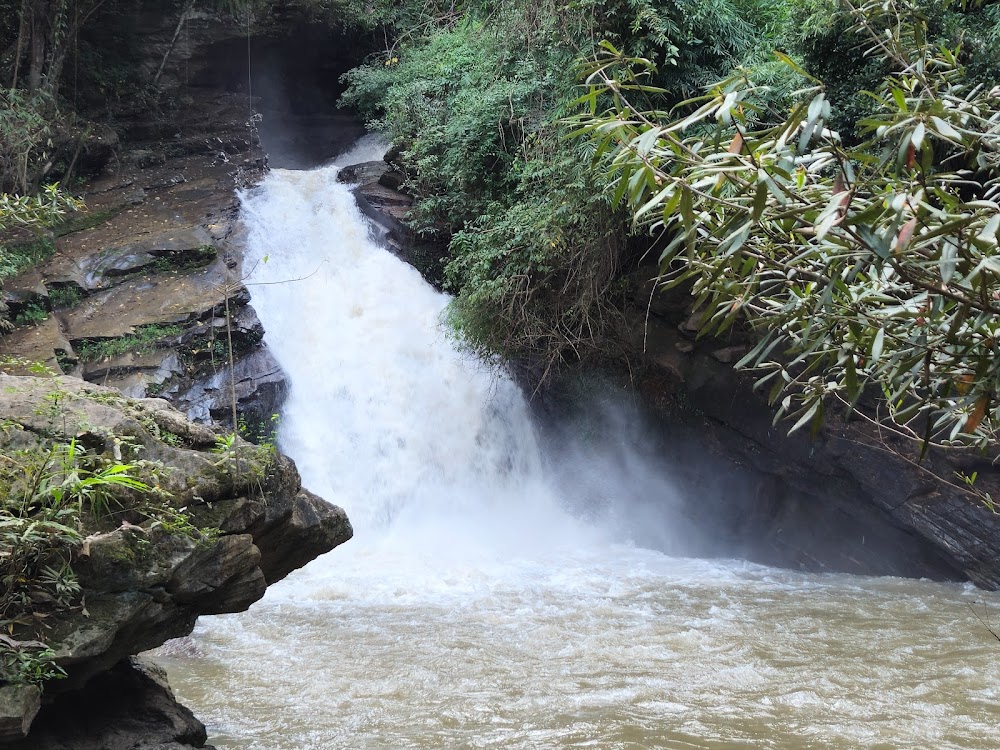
(144, 580)
(143, 293)
(853, 497)
(144, 290)
(128, 707)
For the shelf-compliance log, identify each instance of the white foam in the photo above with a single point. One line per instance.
(474, 609)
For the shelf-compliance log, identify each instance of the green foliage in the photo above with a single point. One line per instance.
(145, 339)
(83, 221)
(253, 463)
(31, 314)
(177, 522)
(35, 211)
(52, 495)
(830, 45)
(871, 273)
(474, 93)
(24, 132)
(21, 366)
(27, 662)
(32, 213)
(183, 261)
(66, 295)
(46, 493)
(15, 259)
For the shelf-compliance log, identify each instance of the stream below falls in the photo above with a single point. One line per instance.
(494, 597)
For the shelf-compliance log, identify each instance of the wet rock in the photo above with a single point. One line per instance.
(386, 200)
(40, 344)
(260, 389)
(693, 323)
(166, 251)
(23, 289)
(130, 707)
(144, 158)
(149, 300)
(98, 271)
(289, 537)
(135, 197)
(97, 149)
(392, 179)
(849, 499)
(156, 366)
(365, 173)
(729, 354)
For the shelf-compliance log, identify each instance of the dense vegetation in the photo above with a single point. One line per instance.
(863, 268)
(475, 94)
(854, 233)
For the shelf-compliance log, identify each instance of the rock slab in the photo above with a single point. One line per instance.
(143, 581)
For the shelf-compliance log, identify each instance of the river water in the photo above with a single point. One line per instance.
(482, 604)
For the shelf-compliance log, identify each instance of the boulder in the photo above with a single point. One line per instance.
(145, 580)
(260, 384)
(126, 708)
(364, 173)
(18, 706)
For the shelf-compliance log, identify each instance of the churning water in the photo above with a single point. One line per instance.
(477, 607)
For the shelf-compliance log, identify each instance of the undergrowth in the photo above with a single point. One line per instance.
(17, 258)
(48, 494)
(144, 340)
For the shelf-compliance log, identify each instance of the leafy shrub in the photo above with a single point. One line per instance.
(46, 493)
(24, 131)
(871, 271)
(830, 46)
(474, 93)
(145, 339)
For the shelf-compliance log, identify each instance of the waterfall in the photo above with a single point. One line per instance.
(387, 416)
(482, 605)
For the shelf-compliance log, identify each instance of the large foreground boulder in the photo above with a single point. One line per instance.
(127, 708)
(227, 519)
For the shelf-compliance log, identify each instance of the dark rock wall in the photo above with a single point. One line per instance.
(128, 707)
(851, 498)
(294, 74)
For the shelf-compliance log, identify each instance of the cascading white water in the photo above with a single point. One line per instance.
(474, 609)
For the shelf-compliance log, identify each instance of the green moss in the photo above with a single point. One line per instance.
(186, 260)
(16, 258)
(145, 339)
(123, 554)
(84, 221)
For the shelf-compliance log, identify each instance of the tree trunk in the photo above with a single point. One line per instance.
(59, 47)
(38, 37)
(173, 41)
(23, 31)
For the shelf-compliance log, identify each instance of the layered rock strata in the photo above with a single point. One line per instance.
(145, 578)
